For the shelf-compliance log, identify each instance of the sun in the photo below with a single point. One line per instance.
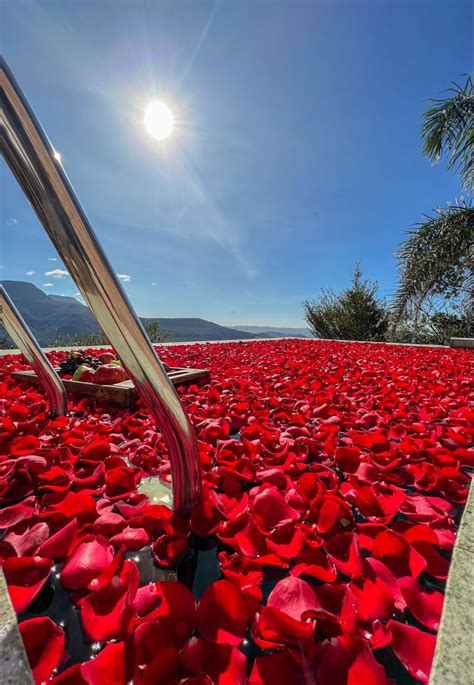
(159, 120)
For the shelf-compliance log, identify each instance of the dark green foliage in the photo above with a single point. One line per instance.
(355, 314)
(436, 329)
(445, 326)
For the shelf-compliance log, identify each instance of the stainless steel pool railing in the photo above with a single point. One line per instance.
(21, 335)
(35, 165)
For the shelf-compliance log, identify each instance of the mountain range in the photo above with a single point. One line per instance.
(51, 316)
(276, 331)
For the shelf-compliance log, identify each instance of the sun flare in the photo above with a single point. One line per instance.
(159, 120)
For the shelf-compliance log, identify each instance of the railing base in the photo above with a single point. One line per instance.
(157, 491)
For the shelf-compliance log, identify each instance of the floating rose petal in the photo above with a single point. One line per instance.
(426, 607)
(224, 664)
(25, 577)
(44, 644)
(222, 614)
(108, 613)
(414, 648)
(90, 558)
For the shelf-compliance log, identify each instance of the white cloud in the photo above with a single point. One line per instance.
(52, 259)
(30, 273)
(154, 284)
(48, 285)
(57, 273)
(124, 277)
(12, 221)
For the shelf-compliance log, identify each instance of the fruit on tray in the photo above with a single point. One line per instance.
(84, 373)
(104, 369)
(107, 358)
(109, 374)
(74, 361)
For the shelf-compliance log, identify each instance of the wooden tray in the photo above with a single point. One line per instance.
(120, 393)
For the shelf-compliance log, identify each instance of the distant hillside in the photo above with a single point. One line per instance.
(179, 330)
(276, 331)
(51, 315)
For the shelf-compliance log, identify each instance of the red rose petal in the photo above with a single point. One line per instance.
(26, 537)
(108, 613)
(131, 538)
(25, 577)
(10, 516)
(414, 648)
(61, 543)
(109, 667)
(225, 664)
(174, 606)
(348, 458)
(278, 669)
(44, 643)
(332, 510)
(271, 511)
(426, 607)
(293, 596)
(90, 558)
(222, 614)
(96, 450)
(343, 550)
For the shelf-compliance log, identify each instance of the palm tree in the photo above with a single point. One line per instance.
(436, 260)
(448, 127)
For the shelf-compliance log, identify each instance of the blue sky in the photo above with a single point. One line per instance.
(296, 151)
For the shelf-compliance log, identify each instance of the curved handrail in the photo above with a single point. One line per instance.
(32, 160)
(21, 335)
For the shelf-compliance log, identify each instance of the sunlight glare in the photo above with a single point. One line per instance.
(159, 120)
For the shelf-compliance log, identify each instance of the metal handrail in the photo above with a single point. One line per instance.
(32, 160)
(21, 335)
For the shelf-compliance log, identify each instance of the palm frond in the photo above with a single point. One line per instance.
(437, 259)
(448, 128)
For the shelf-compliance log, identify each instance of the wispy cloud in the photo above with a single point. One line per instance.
(30, 273)
(52, 259)
(125, 278)
(209, 216)
(57, 273)
(12, 221)
(48, 285)
(154, 284)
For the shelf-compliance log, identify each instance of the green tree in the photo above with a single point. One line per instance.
(436, 260)
(354, 314)
(152, 329)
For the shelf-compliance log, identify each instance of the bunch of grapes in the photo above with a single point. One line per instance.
(68, 367)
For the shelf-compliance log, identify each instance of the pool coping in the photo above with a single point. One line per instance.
(14, 666)
(453, 662)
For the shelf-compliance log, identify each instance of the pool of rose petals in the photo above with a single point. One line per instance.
(334, 476)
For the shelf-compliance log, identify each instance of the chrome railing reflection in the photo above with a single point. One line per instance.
(33, 162)
(21, 335)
